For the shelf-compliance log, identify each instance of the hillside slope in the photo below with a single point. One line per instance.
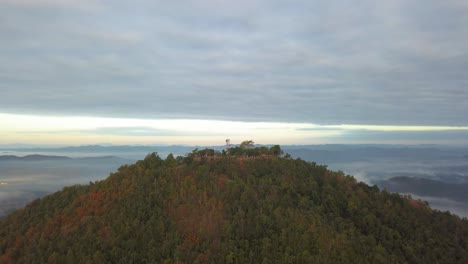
(230, 210)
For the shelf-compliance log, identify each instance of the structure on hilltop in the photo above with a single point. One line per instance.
(228, 145)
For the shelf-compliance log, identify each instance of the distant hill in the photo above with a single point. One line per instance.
(34, 157)
(427, 187)
(219, 209)
(37, 157)
(99, 148)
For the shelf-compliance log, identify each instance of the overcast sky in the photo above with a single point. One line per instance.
(305, 66)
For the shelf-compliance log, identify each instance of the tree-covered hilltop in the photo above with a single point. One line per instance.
(245, 149)
(268, 209)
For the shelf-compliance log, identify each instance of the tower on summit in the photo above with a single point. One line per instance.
(228, 144)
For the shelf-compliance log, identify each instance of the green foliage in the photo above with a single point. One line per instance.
(230, 210)
(247, 144)
(246, 149)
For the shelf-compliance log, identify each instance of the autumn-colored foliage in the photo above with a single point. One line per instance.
(228, 209)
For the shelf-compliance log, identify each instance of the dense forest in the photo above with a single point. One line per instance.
(257, 206)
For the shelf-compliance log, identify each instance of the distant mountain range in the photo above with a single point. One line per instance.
(330, 152)
(38, 157)
(34, 157)
(99, 148)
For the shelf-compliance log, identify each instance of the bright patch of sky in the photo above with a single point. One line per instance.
(92, 130)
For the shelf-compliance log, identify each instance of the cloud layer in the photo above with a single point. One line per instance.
(93, 130)
(378, 63)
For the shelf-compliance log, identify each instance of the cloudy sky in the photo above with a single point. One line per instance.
(198, 71)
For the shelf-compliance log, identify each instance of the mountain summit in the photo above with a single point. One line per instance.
(207, 207)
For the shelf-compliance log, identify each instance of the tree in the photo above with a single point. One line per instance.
(276, 150)
(259, 210)
(170, 160)
(247, 144)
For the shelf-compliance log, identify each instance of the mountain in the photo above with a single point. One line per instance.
(210, 208)
(39, 157)
(427, 187)
(34, 157)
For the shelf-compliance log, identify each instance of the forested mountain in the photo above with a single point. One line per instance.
(213, 208)
(31, 158)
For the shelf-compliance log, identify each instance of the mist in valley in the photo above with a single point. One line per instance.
(24, 181)
(435, 174)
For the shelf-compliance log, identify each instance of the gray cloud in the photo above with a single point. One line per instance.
(387, 62)
(144, 131)
(425, 137)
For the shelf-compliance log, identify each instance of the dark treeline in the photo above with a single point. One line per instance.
(245, 149)
(269, 209)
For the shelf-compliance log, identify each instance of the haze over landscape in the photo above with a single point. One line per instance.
(375, 89)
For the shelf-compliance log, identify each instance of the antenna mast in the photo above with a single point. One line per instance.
(228, 145)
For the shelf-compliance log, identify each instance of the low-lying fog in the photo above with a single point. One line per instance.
(23, 181)
(436, 174)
